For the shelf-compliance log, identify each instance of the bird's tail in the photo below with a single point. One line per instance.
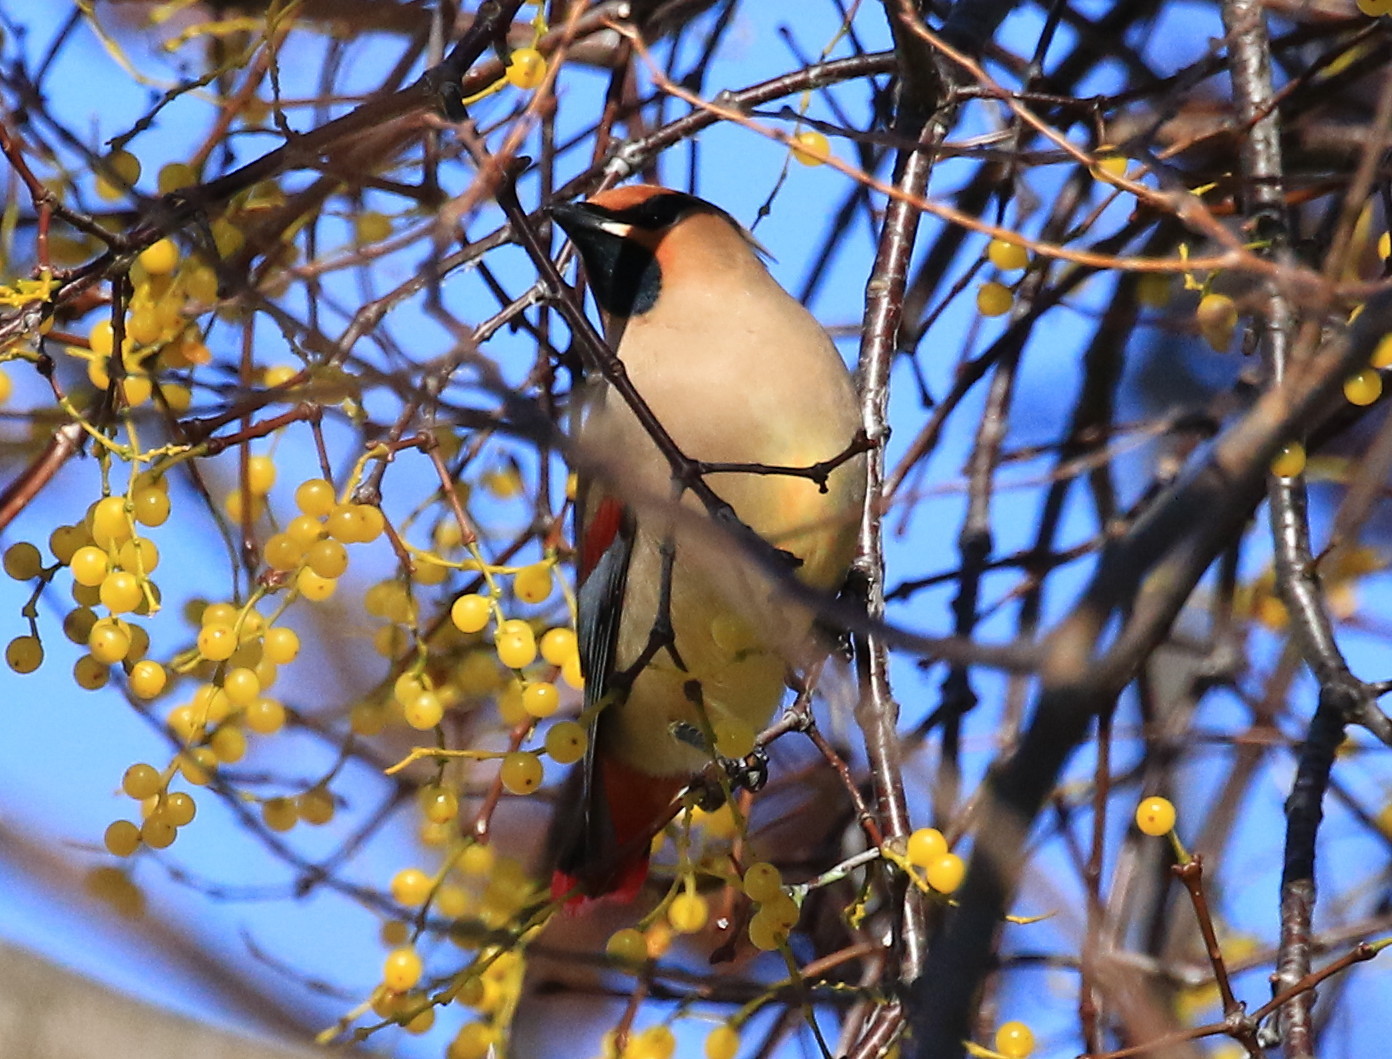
(604, 829)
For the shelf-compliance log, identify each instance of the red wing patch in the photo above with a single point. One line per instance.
(600, 530)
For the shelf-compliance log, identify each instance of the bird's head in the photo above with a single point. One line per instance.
(635, 240)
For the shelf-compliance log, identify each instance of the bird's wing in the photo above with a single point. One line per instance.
(605, 532)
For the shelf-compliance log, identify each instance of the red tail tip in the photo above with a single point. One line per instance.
(621, 888)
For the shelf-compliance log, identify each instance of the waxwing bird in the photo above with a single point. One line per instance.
(738, 373)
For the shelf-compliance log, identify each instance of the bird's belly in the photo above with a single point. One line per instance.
(735, 638)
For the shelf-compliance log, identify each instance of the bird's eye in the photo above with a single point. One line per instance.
(658, 212)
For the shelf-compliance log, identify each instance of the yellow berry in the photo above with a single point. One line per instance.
(477, 860)
(439, 805)
(102, 339)
(316, 806)
(1113, 165)
(122, 838)
(422, 1022)
(175, 175)
(368, 718)
(655, 1042)
(811, 147)
(780, 908)
(1364, 388)
(1374, 8)
(371, 227)
(313, 587)
(533, 583)
(90, 674)
(22, 561)
(139, 555)
(1217, 319)
(945, 873)
(540, 700)
(279, 814)
(279, 375)
(89, 565)
(211, 704)
(180, 808)
(242, 686)
(687, 913)
(315, 497)
(196, 766)
(370, 523)
(925, 846)
(108, 642)
(994, 299)
(304, 530)
(1155, 816)
(470, 613)
(558, 646)
(157, 833)
(147, 679)
(473, 1041)
(243, 507)
(566, 742)
(65, 541)
(521, 772)
(120, 171)
(227, 237)
(228, 744)
(1289, 461)
(327, 558)
(282, 552)
(766, 933)
(516, 645)
(1382, 352)
(410, 887)
(142, 781)
(428, 573)
(402, 969)
(160, 258)
(478, 676)
(526, 68)
(572, 674)
(120, 592)
(261, 474)
(391, 641)
(265, 716)
(722, 1042)
(354, 523)
(1014, 1040)
(510, 709)
(424, 711)
(1007, 256)
(627, 946)
(24, 654)
(281, 645)
(110, 525)
(77, 624)
(218, 614)
(763, 882)
(216, 642)
(144, 325)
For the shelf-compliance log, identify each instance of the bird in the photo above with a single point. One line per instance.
(738, 372)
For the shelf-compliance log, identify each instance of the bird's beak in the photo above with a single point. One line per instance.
(580, 220)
